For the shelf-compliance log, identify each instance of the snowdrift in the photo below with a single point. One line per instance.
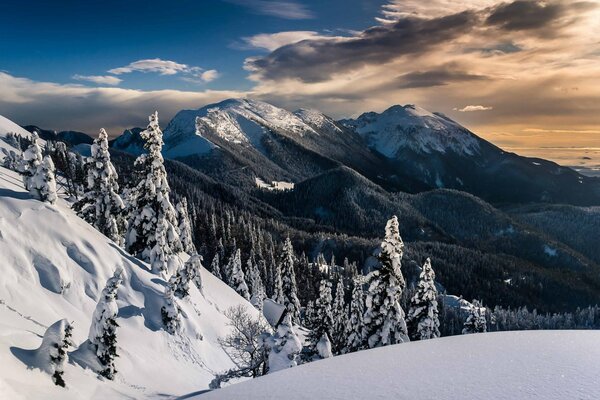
(507, 365)
(54, 266)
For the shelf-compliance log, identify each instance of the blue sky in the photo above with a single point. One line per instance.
(522, 73)
(55, 40)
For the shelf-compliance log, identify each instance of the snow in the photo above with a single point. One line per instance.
(413, 127)
(550, 251)
(550, 365)
(55, 265)
(275, 185)
(7, 126)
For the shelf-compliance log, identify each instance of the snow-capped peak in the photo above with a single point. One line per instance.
(234, 120)
(413, 127)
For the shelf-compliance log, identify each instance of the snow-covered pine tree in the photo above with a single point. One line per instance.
(103, 331)
(237, 279)
(277, 284)
(285, 346)
(323, 321)
(384, 317)
(289, 290)
(152, 232)
(101, 205)
(32, 158)
(42, 185)
(355, 324)
(422, 320)
(257, 289)
(475, 322)
(189, 272)
(309, 315)
(324, 347)
(215, 266)
(52, 355)
(170, 311)
(340, 318)
(185, 228)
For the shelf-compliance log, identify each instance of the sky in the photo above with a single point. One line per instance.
(524, 74)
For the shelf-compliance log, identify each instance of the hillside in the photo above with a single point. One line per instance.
(54, 267)
(550, 365)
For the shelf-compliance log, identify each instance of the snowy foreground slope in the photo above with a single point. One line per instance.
(54, 266)
(507, 365)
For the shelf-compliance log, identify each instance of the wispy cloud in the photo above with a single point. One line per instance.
(202, 77)
(272, 41)
(167, 67)
(474, 108)
(98, 79)
(279, 9)
(163, 67)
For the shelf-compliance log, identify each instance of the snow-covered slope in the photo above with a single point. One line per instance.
(413, 127)
(6, 126)
(54, 266)
(509, 365)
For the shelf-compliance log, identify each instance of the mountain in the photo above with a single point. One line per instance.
(552, 365)
(130, 141)
(72, 138)
(405, 148)
(239, 140)
(432, 151)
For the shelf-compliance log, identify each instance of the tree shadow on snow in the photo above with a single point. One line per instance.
(14, 194)
(27, 357)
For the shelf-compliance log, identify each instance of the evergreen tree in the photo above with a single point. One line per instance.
(257, 289)
(309, 315)
(475, 322)
(355, 325)
(340, 318)
(189, 272)
(42, 185)
(170, 311)
(422, 320)
(52, 354)
(289, 290)
(103, 331)
(323, 320)
(285, 346)
(215, 266)
(32, 158)
(277, 284)
(185, 229)
(237, 280)
(101, 205)
(324, 347)
(152, 233)
(384, 317)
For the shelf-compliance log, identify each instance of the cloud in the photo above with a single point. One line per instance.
(527, 15)
(167, 67)
(474, 108)
(319, 59)
(202, 77)
(98, 79)
(67, 107)
(436, 77)
(272, 41)
(163, 67)
(279, 9)
(414, 28)
(398, 9)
